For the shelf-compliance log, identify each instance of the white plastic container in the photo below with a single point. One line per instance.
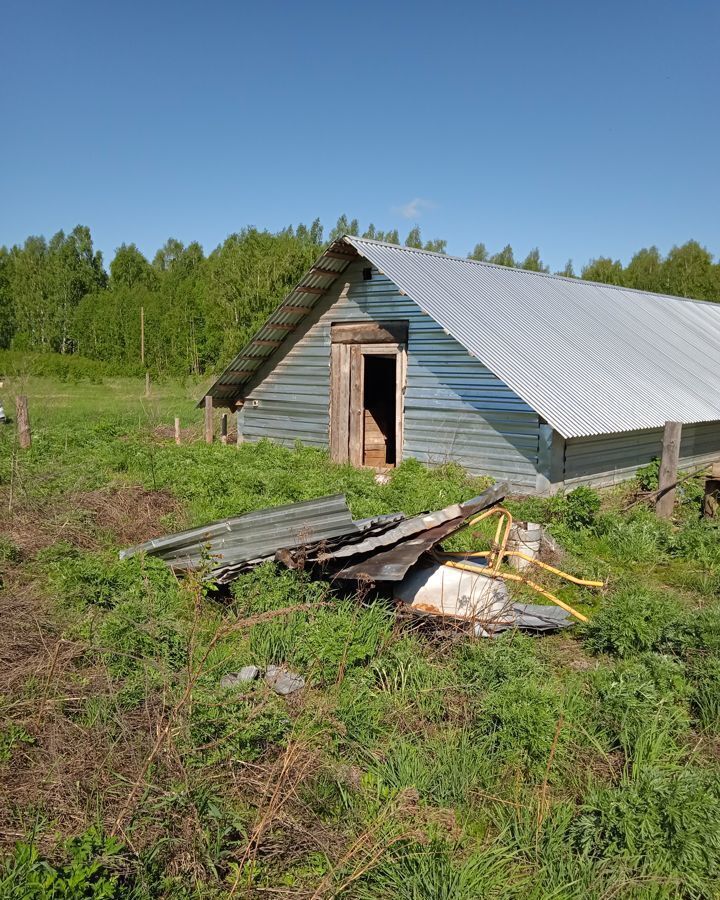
(524, 538)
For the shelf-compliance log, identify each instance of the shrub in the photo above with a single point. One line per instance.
(577, 509)
(89, 872)
(635, 620)
(647, 477)
(665, 820)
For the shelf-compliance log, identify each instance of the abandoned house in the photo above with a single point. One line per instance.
(384, 352)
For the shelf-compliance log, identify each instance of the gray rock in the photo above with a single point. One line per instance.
(235, 679)
(282, 681)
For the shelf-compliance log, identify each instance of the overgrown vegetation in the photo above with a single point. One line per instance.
(417, 762)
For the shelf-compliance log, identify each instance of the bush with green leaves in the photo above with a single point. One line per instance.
(647, 477)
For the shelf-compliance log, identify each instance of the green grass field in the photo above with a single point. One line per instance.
(417, 764)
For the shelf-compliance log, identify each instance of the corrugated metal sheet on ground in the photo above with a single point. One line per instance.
(590, 358)
(388, 556)
(251, 538)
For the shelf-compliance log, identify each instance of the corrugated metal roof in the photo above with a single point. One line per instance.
(589, 358)
(282, 322)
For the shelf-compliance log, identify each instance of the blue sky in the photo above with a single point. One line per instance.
(582, 128)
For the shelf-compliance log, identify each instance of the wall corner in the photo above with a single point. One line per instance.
(551, 461)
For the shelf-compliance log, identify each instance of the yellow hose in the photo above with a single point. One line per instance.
(499, 552)
(506, 576)
(535, 562)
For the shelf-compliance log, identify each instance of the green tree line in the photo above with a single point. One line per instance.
(57, 296)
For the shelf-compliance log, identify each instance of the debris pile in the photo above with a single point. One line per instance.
(391, 549)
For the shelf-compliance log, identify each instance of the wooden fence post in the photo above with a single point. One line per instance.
(223, 428)
(711, 500)
(147, 384)
(667, 479)
(239, 423)
(177, 430)
(209, 430)
(23, 421)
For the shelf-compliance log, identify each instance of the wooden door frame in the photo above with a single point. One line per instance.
(347, 386)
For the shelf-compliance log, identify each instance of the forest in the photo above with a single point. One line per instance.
(57, 297)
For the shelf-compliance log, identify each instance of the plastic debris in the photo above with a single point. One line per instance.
(245, 675)
(282, 681)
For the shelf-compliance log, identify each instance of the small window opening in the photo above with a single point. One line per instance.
(367, 274)
(379, 410)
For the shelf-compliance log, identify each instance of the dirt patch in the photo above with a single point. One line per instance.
(89, 520)
(189, 435)
(64, 738)
(131, 513)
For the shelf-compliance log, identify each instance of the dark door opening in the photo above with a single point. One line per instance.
(379, 399)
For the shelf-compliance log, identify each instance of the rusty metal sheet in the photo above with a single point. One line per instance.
(392, 564)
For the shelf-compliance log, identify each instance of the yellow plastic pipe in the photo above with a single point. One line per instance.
(506, 576)
(535, 562)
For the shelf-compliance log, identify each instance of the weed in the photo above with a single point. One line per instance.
(437, 871)
(642, 700)
(88, 872)
(486, 664)
(520, 720)
(13, 736)
(647, 477)
(664, 819)
(635, 620)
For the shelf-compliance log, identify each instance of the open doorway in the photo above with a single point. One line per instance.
(379, 409)
(367, 389)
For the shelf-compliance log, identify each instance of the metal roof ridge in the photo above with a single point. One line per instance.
(351, 238)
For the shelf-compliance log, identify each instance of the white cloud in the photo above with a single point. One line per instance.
(414, 209)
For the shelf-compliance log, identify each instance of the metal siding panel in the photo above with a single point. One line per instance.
(612, 458)
(455, 408)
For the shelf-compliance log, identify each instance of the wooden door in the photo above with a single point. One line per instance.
(348, 412)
